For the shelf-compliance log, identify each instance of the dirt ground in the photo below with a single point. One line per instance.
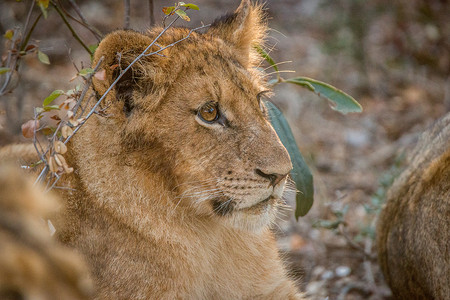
(392, 56)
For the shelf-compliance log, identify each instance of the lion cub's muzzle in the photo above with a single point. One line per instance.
(252, 194)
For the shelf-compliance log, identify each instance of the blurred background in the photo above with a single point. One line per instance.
(393, 56)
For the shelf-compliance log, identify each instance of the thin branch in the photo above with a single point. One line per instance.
(27, 38)
(126, 10)
(30, 11)
(87, 85)
(75, 35)
(42, 175)
(98, 35)
(54, 183)
(174, 43)
(78, 10)
(12, 62)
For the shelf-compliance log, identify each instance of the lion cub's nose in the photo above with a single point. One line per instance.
(274, 178)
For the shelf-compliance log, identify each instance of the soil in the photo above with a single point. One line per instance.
(392, 58)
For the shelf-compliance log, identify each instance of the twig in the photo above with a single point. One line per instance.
(27, 38)
(12, 61)
(78, 10)
(83, 22)
(11, 64)
(91, 96)
(43, 174)
(87, 85)
(30, 11)
(151, 12)
(174, 43)
(126, 21)
(75, 35)
(54, 183)
(41, 155)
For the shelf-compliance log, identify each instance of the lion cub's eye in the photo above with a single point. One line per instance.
(209, 112)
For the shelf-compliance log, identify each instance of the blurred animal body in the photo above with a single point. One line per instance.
(413, 231)
(32, 264)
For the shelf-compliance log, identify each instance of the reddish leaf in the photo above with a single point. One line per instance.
(29, 128)
(30, 48)
(168, 10)
(100, 75)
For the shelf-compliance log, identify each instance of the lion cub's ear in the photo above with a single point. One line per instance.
(118, 50)
(242, 29)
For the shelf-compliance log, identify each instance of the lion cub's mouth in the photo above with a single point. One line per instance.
(259, 207)
(224, 208)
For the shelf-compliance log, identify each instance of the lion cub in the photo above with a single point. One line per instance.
(175, 191)
(413, 234)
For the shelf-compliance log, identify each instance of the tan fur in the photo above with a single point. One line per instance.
(413, 231)
(149, 176)
(19, 154)
(32, 265)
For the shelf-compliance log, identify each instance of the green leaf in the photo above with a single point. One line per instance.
(4, 70)
(51, 107)
(182, 14)
(341, 101)
(9, 34)
(300, 173)
(189, 5)
(55, 94)
(86, 71)
(266, 56)
(43, 58)
(43, 4)
(93, 47)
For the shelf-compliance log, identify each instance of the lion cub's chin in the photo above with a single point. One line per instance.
(257, 218)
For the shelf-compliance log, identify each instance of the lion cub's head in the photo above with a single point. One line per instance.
(194, 115)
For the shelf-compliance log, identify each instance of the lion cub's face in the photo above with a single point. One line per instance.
(196, 116)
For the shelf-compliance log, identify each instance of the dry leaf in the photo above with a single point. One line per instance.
(59, 147)
(52, 165)
(29, 128)
(66, 131)
(100, 75)
(61, 161)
